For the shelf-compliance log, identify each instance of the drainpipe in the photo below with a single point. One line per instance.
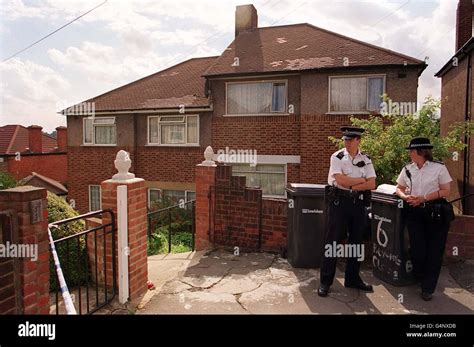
(466, 138)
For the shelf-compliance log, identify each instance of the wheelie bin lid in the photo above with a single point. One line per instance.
(305, 189)
(385, 193)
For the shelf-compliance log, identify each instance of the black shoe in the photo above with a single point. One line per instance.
(359, 285)
(323, 290)
(426, 296)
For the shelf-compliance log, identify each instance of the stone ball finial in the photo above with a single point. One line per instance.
(208, 156)
(122, 164)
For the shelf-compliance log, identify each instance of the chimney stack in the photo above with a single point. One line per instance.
(246, 19)
(61, 138)
(35, 138)
(463, 22)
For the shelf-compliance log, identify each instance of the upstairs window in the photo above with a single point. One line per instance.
(173, 130)
(256, 98)
(100, 131)
(356, 94)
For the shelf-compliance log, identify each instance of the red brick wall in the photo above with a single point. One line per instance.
(90, 166)
(241, 218)
(34, 275)
(274, 224)
(9, 268)
(461, 236)
(50, 165)
(172, 164)
(453, 109)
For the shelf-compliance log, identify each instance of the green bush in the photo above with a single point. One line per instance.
(7, 181)
(74, 267)
(181, 239)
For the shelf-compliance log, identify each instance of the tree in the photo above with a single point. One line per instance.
(387, 136)
(7, 181)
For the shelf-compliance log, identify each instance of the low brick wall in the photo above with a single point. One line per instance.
(461, 238)
(242, 217)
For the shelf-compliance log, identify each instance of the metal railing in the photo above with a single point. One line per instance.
(168, 216)
(79, 257)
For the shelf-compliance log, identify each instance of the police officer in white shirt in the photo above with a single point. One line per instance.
(424, 184)
(351, 177)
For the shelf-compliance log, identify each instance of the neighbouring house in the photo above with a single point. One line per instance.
(277, 92)
(457, 103)
(37, 180)
(33, 157)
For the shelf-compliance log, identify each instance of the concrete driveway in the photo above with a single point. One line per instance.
(218, 282)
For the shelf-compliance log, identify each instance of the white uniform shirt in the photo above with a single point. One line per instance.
(425, 180)
(343, 163)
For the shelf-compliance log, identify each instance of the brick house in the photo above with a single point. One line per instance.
(457, 102)
(279, 91)
(32, 156)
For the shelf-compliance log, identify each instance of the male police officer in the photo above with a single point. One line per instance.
(351, 177)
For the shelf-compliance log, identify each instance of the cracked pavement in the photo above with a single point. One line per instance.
(217, 282)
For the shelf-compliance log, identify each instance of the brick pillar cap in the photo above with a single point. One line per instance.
(35, 127)
(62, 127)
(126, 181)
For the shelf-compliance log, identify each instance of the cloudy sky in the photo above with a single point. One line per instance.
(122, 41)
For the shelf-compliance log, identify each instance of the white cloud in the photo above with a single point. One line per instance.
(30, 93)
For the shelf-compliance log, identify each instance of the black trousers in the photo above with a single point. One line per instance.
(345, 217)
(427, 243)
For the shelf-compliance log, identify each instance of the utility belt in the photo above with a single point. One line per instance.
(334, 193)
(437, 210)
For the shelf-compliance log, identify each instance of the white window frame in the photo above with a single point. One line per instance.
(93, 131)
(285, 166)
(100, 196)
(186, 194)
(367, 76)
(149, 190)
(274, 113)
(149, 143)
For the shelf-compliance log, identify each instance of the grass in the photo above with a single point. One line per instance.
(180, 242)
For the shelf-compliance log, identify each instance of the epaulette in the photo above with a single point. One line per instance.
(439, 162)
(340, 155)
(366, 155)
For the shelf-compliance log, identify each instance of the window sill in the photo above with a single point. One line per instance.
(348, 112)
(91, 145)
(175, 145)
(257, 115)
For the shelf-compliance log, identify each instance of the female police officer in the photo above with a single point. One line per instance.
(424, 184)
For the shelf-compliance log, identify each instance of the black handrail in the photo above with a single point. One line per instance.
(108, 229)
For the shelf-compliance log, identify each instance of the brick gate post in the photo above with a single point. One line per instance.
(126, 196)
(205, 180)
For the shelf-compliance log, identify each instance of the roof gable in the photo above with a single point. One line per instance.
(300, 47)
(181, 84)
